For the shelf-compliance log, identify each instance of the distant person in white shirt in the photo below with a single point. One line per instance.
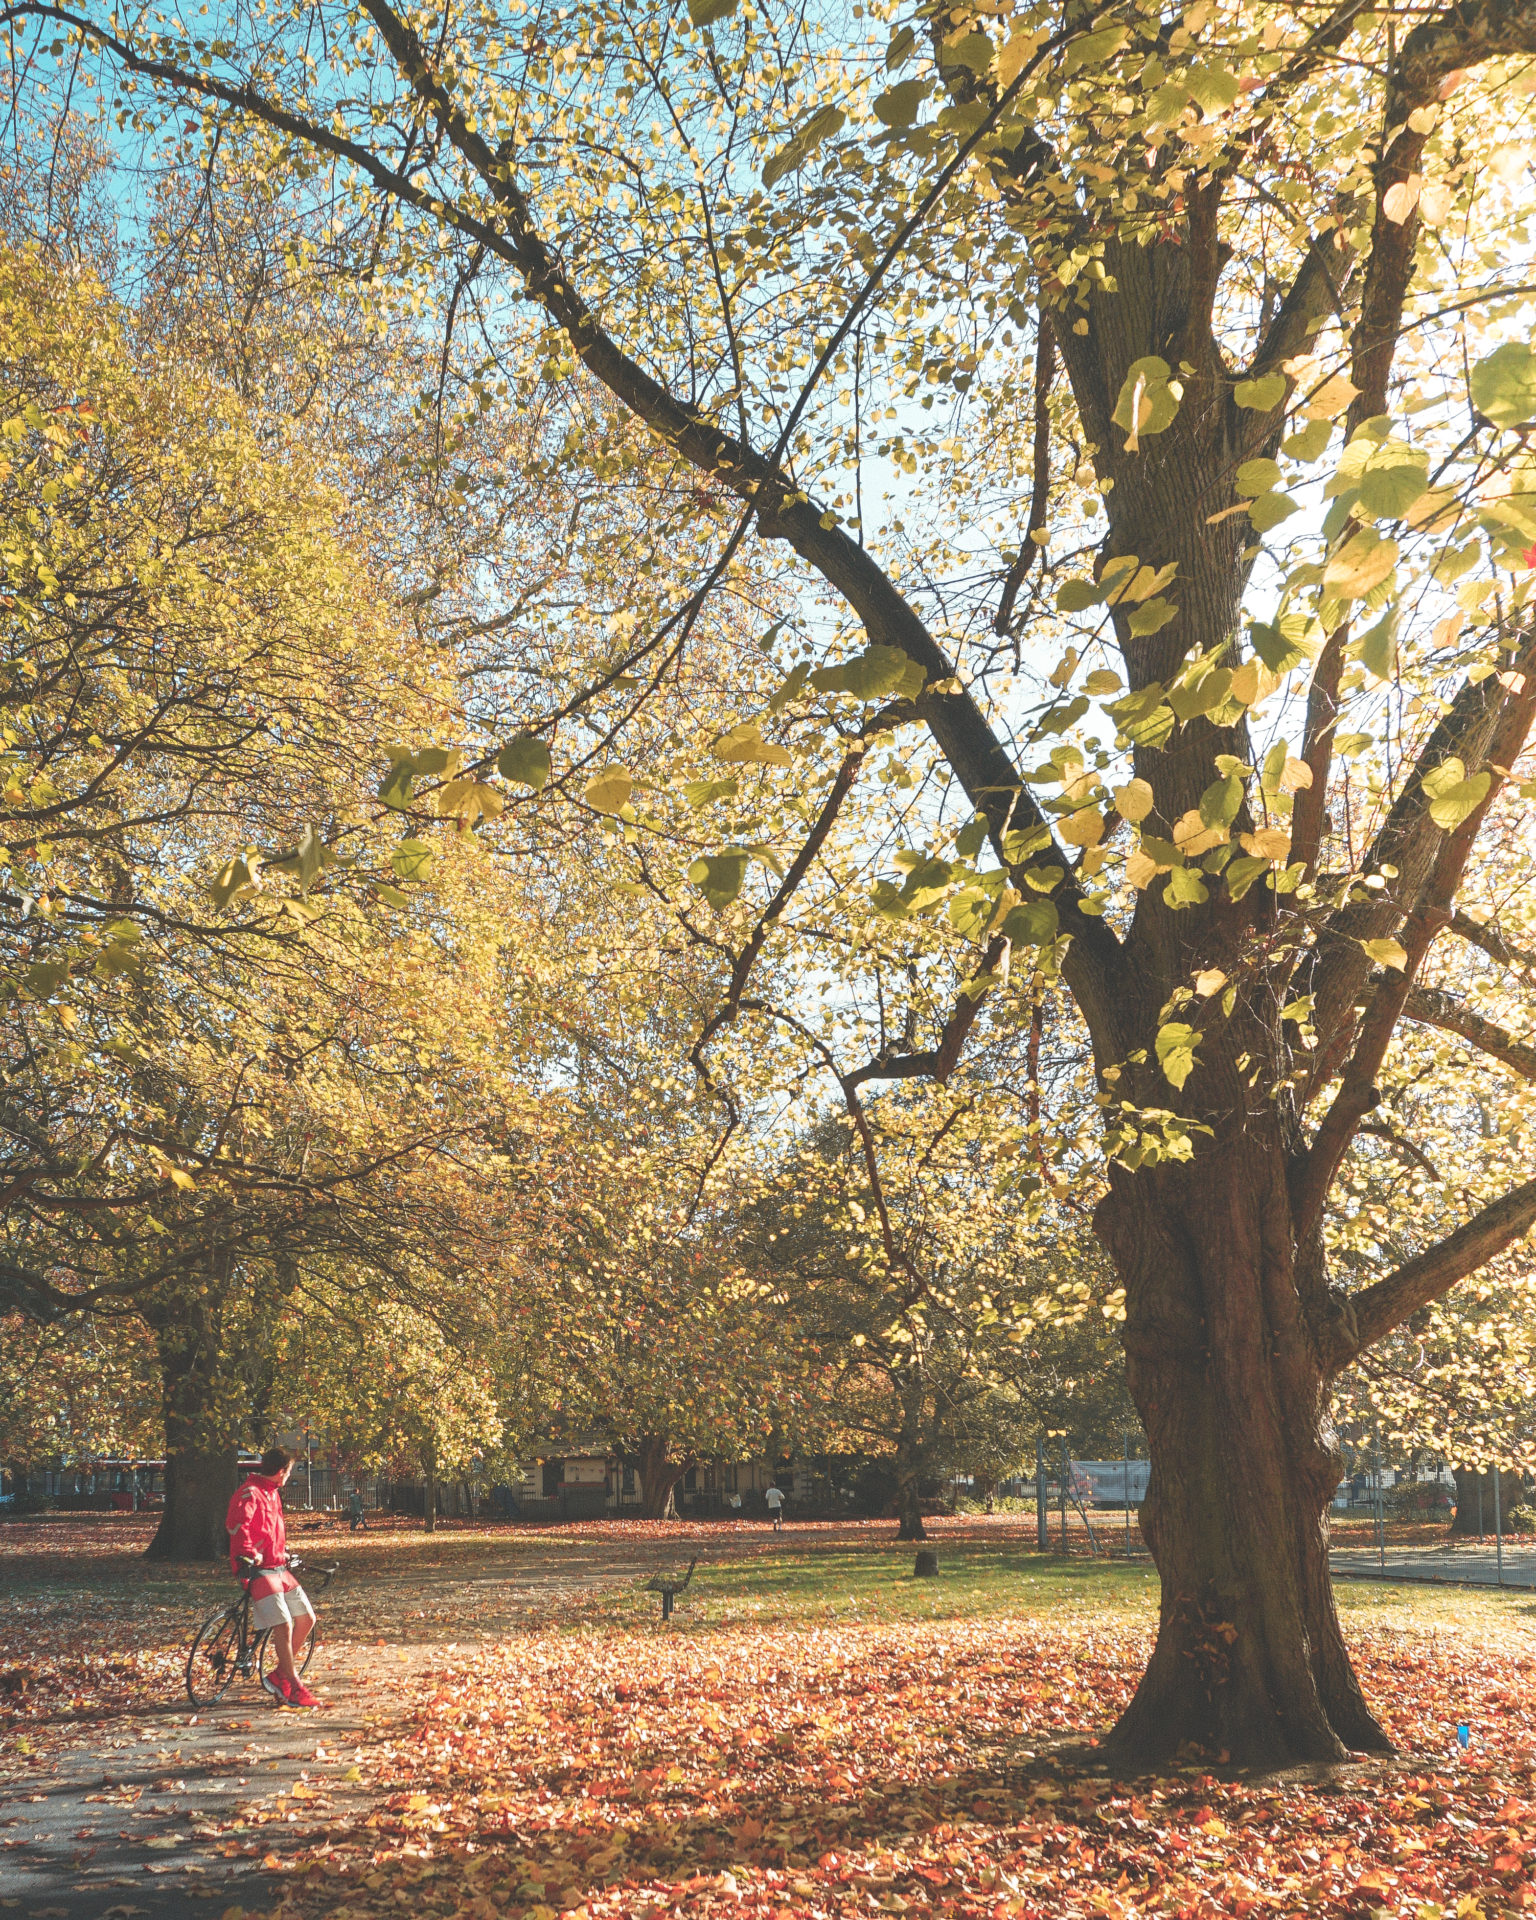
(775, 1501)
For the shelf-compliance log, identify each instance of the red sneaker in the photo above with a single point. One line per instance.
(277, 1686)
(299, 1695)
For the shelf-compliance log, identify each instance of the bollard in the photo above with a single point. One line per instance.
(926, 1566)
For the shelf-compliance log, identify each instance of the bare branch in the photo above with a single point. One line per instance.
(1432, 1008)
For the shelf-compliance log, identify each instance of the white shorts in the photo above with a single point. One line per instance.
(280, 1609)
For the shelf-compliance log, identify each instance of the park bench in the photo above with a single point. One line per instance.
(669, 1585)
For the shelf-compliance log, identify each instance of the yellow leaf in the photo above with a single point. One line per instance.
(1210, 981)
(1192, 836)
(1389, 952)
(1402, 197)
(1331, 398)
(1268, 843)
(1296, 775)
(1085, 828)
(1141, 869)
(1362, 563)
(1134, 801)
(609, 789)
(1013, 55)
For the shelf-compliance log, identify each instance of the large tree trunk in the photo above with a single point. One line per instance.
(659, 1477)
(1250, 1664)
(201, 1467)
(1474, 1500)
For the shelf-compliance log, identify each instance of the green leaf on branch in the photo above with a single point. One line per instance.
(790, 690)
(1152, 616)
(1220, 802)
(1093, 48)
(874, 674)
(898, 105)
(1033, 923)
(1254, 477)
(525, 760)
(1454, 795)
(1310, 443)
(1262, 395)
(1267, 512)
(234, 878)
(1504, 385)
(1185, 888)
(746, 743)
(719, 876)
(411, 860)
(704, 13)
(1363, 563)
(793, 155)
(1377, 648)
(1388, 953)
(1176, 1043)
(704, 793)
(1393, 478)
(1149, 399)
(609, 789)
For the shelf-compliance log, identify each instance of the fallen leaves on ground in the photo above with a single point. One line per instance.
(850, 1770)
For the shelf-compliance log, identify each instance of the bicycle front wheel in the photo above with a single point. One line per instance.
(215, 1657)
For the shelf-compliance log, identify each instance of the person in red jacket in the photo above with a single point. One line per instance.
(258, 1556)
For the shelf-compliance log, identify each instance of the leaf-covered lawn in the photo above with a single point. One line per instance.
(817, 1733)
(845, 1769)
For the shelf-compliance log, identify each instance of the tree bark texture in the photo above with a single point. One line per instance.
(1473, 1513)
(659, 1476)
(910, 1455)
(1250, 1662)
(201, 1467)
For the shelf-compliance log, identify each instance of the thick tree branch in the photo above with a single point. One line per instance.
(1040, 497)
(1433, 1008)
(1366, 1317)
(1461, 36)
(938, 1063)
(1479, 934)
(1487, 721)
(1313, 1171)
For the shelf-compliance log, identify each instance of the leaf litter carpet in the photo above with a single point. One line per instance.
(875, 1768)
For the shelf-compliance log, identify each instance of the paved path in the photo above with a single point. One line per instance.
(148, 1813)
(1470, 1565)
(165, 1808)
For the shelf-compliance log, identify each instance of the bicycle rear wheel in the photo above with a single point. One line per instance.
(215, 1656)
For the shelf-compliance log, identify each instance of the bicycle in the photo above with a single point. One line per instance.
(224, 1645)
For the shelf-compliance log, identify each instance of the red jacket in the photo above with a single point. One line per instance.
(256, 1532)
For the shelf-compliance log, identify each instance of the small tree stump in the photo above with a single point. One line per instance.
(926, 1566)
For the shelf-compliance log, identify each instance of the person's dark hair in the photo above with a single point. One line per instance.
(275, 1459)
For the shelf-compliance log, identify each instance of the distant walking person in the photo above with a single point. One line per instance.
(775, 1501)
(355, 1510)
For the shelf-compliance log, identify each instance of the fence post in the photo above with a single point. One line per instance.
(1066, 1475)
(1381, 1518)
(1498, 1527)
(1042, 1512)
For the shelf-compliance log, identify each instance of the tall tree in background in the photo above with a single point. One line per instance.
(1253, 240)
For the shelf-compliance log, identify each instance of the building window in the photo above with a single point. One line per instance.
(691, 1480)
(554, 1474)
(629, 1481)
